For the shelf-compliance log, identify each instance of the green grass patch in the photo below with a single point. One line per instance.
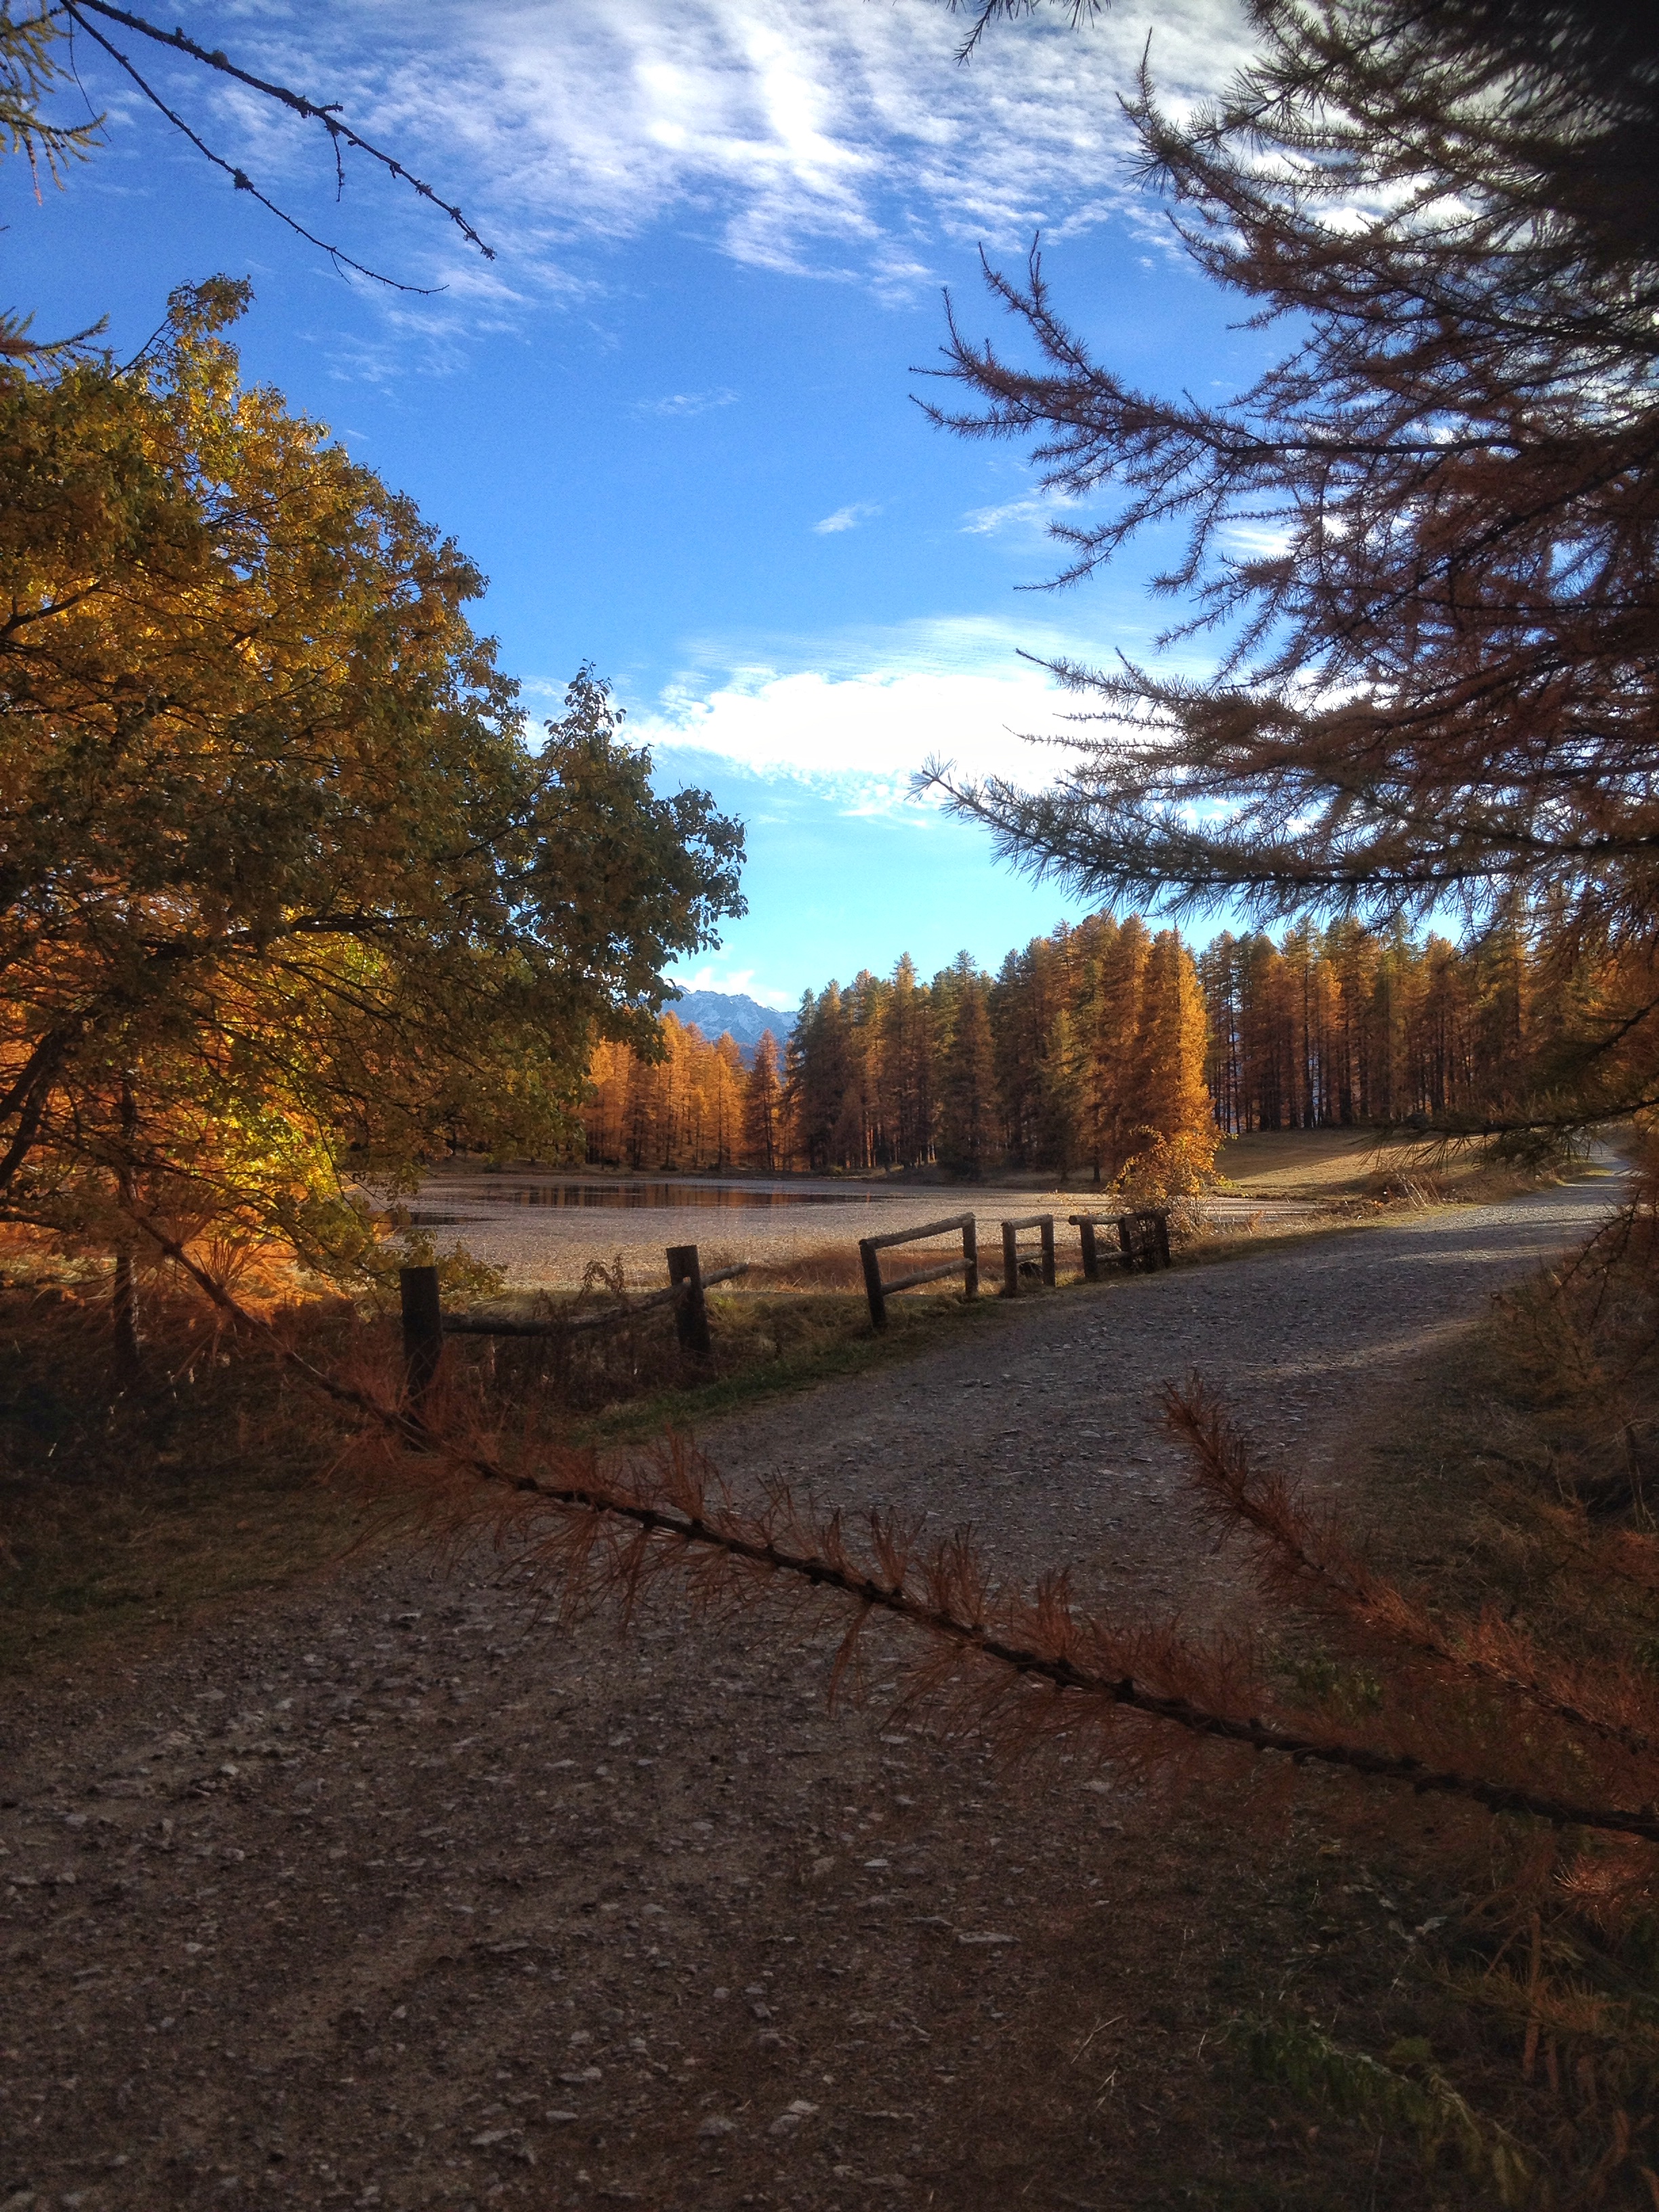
(769, 1347)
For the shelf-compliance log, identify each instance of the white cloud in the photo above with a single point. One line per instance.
(837, 138)
(845, 517)
(856, 725)
(687, 403)
(1036, 509)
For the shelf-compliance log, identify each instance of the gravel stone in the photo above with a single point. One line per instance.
(370, 1804)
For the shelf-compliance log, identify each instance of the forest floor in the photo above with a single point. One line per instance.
(388, 1890)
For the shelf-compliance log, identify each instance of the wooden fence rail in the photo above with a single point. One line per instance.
(426, 1324)
(1045, 1223)
(1143, 1238)
(878, 1292)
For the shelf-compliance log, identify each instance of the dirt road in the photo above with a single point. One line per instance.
(386, 1893)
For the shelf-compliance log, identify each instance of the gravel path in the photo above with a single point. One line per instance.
(391, 1892)
(1045, 1433)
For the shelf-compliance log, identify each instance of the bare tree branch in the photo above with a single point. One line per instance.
(78, 12)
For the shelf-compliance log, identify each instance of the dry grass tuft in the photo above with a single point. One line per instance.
(814, 1268)
(128, 1502)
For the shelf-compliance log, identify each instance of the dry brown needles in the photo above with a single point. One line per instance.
(1469, 1712)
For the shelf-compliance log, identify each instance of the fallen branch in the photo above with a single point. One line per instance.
(1306, 1557)
(671, 1512)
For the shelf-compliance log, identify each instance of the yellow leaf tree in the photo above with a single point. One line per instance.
(288, 903)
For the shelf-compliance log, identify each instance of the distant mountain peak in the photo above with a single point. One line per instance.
(717, 1012)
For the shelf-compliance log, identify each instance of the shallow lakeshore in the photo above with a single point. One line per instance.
(542, 1226)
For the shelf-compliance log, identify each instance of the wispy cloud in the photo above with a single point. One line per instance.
(1034, 510)
(845, 517)
(840, 140)
(686, 402)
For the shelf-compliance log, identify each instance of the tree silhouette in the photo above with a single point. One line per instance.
(1425, 537)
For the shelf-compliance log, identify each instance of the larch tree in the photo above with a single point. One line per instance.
(823, 1034)
(1439, 631)
(1175, 1155)
(1112, 1118)
(37, 63)
(1061, 1096)
(968, 1093)
(725, 1087)
(760, 1105)
(910, 1050)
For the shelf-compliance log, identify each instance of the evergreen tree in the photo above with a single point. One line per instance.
(760, 1105)
(967, 1092)
(1177, 1130)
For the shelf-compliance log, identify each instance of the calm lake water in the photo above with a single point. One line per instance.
(670, 1194)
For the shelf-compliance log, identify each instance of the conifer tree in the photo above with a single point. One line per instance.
(1061, 1095)
(760, 1105)
(1441, 664)
(1111, 1117)
(968, 1091)
(724, 1092)
(909, 1052)
(1177, 1132)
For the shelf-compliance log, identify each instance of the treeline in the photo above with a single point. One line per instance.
(1105, 1048)
(1347, 1024)
(1086, 1050)
(683, 1111)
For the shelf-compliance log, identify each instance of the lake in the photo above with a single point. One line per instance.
(673, 1194)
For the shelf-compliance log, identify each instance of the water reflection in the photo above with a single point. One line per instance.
(671, 1194)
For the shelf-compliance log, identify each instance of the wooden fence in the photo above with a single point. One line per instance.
(871, 1247)
(426, 1324)
(1044, 1224)
(1143, 1238)
(1143, 1242)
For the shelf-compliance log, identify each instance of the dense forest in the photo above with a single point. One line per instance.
(1326, 1028)
(1086, 1050)
(1107, 1049)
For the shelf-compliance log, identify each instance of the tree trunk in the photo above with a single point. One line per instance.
(123, 1312)
(124, 1298)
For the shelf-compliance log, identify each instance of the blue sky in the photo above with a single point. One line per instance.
(673, 420)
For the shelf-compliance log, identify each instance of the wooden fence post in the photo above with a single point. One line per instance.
(1162, 1225)
(871, 1257)
(690, 1313)
(1086, 1229)
(423, 1331)
(871, 1248)
(1044, 1225)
